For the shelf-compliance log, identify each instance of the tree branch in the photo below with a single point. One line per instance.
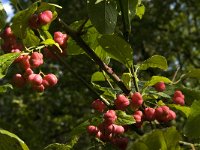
(76, 37)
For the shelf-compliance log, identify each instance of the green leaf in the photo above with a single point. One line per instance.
(190, 94)
(103, 15)
(31, 39)
(160, 139)
(184, 109)
(191, 128)
(127, 78)
(164, 95)
(128, 8)
(10, 141)
(50, 42)
(6, 61)
(57, 146)
(73, 48)
(140, 10)
(123, 118)
(102, 54)
(4, 88)
(195, 73)
(21, 19)
(155, 61)
(156, 79)
(117, 49)
(44, 34)
(3, 16)
(97, 76)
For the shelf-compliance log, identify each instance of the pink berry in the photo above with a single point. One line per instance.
(179, 100)
(178, 94)
(137, 99)
(118, 129)
(24, 62)
(45, 17)
(7, 33)
(27, 73)
(35, 79)
(92, 130)
(110, 116)
(18, 80)
(138, 116)
(36, 59)
(149, 113)
(39, 88)
(121, 102)
(51, 79)
(60, 38)
(98, 105)
(160, 86)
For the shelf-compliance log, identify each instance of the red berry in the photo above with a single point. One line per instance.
(171, 115)
(35, 79)
(7, 33)
(110, 116)
(121, 102)
(179, 100)
(118, 129)
(178, 94)
(39, 88)
(27, 73)
(36, 59)
(138, 116)
(137, 99)
(51, 79)
(24, 62)
(149, 113)
(60, 38)
(98, 105)
(92, 130)
(45, 17)
(160, 86)
(18, 80)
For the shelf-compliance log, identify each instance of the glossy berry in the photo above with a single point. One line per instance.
(138, 116)
(137, 99)
(18, 80)
(121, 102)
(60, 38)
(24, 62)
(35, 79)
(45, 17)
(36, 59)
(7, 33)
(164, 114)
(110, 116)
(98, 105)
(149, 114)
(117, 129)
(51, 80)
(160, 86)
(178, 98)
(92, 130)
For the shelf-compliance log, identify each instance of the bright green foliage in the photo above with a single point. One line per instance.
(165, 139)
(6, 61)
(10, 141)
(184, 109)
(4, 88)
(190, 94)
(140, 10)
(117, 49)
(155, 61)
(127, 78)
(31, 39)
(123, 118)
(107, 15)
(3, 16)
(156, 79)
(191, 128)
(97, 76)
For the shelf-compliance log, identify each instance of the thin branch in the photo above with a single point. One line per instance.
(187, 144)
(93, 55)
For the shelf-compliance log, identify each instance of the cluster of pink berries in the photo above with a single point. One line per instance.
(27, 63)
(43, 18)
(108, 131)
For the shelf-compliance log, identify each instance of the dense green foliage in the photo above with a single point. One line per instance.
(168, 28)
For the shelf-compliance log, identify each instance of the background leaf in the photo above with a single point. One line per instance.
(117, 49)
(166, 139)
(4, 88)
(123, 118)
(3, 16)
(184, 109)
(103, 15)
(10, 141)
(195, 73)
(191, 128)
